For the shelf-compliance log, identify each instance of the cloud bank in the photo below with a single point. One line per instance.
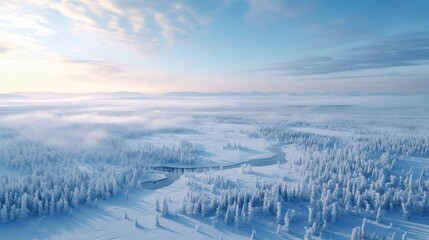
(397, 51)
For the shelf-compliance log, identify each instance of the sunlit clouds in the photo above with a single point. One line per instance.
(245, 45)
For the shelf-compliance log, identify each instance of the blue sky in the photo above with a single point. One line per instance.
(225, 45)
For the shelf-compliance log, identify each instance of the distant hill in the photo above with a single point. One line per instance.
(221, 94)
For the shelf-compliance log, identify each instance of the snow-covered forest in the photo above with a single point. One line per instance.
(228, 166)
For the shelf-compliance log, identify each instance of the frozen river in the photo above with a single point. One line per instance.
(174, 173)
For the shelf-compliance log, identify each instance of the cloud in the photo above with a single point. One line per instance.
(368, 76)
(13, 16)
(143, 25)
(44, 37)
(168, 30)
(397, 51)
(262, 9)
(101, 67)
(21, 31)
(4, 49)
(146, 26)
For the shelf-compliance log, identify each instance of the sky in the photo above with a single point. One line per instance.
(158, 46)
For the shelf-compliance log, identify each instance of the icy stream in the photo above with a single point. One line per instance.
(174, 173)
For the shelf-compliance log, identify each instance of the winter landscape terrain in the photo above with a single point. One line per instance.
(226, 119)
(214, 166)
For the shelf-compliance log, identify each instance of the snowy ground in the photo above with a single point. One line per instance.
(103, 145)
(108, 221)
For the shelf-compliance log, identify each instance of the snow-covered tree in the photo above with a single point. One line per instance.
(76, 197)
(325, 226)
(249, 213)
(237, 218)
(13, 213)
(363, 227)
(164, 211)
(4, 214)
(310, 215)
(279, 212)
(156, 220)
(218, 212)
(157, 205)
(253, 235)
(286, 225)
(405, 210)
(378, 216)
(308, 233)
(334, 213)
(356, 234)
(227, 215)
